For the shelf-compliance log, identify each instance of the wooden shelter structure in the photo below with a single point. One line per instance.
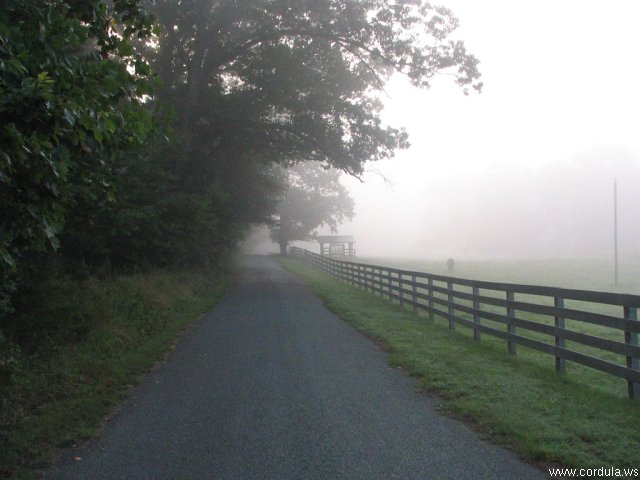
(337, 245)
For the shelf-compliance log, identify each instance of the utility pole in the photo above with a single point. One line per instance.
(615, 231)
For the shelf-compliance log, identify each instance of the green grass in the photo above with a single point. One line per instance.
(99, 338)
(590, 274)
(517, 401)
(583, 274)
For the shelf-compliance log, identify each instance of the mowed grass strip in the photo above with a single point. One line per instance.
(517, 402)
(105, 334)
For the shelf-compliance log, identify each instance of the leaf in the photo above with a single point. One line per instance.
(125, 49)
(9, 260)
(109, 125)
(97, 135)
(69, 117)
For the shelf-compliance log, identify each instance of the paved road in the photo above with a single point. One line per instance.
(270, 385)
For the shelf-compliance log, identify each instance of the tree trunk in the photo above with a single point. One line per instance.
(164, 66)
(283, 248)
(195, 73)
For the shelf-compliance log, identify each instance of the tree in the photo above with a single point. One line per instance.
(155, 224)
(314, 198)
(72, 91)
(297, 80)
(264, 82)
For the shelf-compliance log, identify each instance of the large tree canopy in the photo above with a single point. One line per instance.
(278, 82)
(291, 80)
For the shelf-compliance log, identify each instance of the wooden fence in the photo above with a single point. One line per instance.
(556, 314)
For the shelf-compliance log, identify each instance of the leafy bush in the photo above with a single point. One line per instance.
(71, 100)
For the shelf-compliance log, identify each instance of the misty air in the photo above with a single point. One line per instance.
(317, 240)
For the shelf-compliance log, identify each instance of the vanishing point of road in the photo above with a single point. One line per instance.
(271, 385)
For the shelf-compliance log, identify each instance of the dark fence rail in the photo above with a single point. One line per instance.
(503, 306)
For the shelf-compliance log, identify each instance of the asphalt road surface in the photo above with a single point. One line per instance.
(271, 385)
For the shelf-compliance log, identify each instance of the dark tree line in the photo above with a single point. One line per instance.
(138, 135)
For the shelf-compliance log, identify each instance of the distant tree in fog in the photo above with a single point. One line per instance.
(313, 198)
(451, 264)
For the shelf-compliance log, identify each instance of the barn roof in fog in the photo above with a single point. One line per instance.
(336, 239)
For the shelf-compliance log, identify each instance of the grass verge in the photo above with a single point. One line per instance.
(104, 335)
(522, 404)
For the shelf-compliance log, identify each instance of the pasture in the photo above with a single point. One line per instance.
(584, 274)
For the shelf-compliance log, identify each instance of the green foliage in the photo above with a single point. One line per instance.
(314, 197)
(158, 223)
(71, 100)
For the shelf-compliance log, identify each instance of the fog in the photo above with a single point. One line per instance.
(526, 168)
(562, 209)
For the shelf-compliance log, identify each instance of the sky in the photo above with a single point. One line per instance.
(526, 168)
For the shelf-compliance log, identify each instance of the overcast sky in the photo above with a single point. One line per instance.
(558, 113)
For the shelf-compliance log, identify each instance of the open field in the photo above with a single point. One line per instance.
(581, 419)
(584, 274)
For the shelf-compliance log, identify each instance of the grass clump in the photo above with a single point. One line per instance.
(515, 400)
(82, 347)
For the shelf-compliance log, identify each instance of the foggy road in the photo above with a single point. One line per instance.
(271, 385)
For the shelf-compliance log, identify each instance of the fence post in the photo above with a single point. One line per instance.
(430, 289)
(511, 328)
(631, 338)
(389, 285)
(476, 317)
(414, 291)
(401, 289)
(364, 279)
(452, 323)
(561, 364)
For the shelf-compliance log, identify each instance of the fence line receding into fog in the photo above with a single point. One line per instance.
(556, 315)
